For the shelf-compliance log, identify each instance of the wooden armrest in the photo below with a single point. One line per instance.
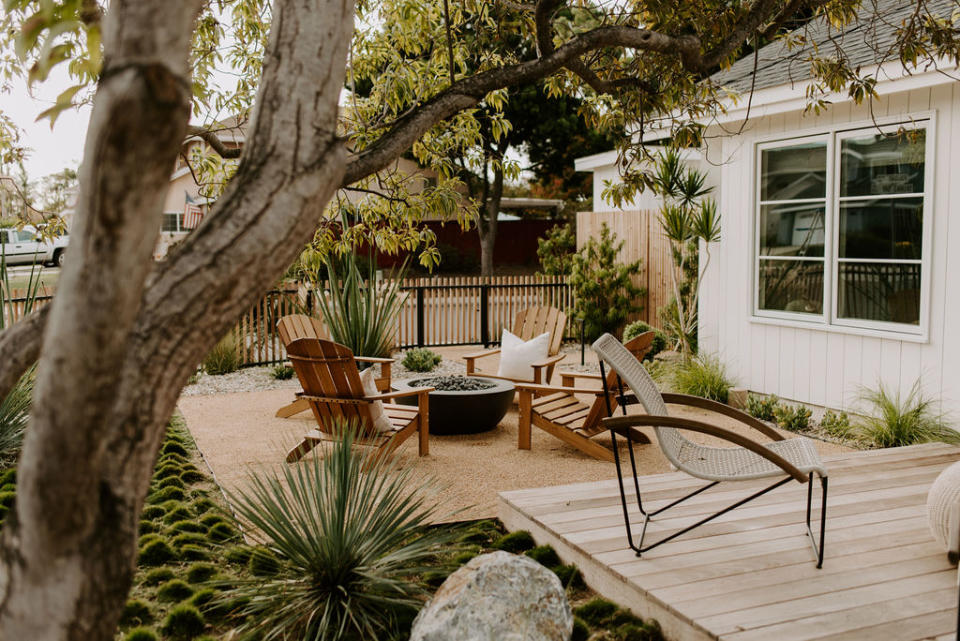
(591, 375)
(411, 392)
(620, 424)
(552, 389)
(488, 352)
(374, 359)
(550, 360)
(726, 410)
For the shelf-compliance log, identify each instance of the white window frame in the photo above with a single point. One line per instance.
(179, 228)
(829, 318)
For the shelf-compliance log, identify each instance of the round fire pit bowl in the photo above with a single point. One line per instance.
(461, 404)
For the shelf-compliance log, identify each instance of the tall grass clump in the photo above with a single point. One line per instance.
(224, 358)
(705, 376)
(895, 420)
(360, 312)
(350, 532)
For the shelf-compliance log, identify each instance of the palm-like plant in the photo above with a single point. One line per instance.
(896, 420)
(361, 313)
(352, 534)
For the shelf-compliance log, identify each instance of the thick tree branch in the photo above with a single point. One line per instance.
(214, 141)
(20, 347)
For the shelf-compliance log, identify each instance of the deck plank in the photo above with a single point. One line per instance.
(749, 574)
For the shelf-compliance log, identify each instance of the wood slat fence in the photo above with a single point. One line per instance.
(643, 240)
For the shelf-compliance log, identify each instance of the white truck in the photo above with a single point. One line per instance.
(27, 246)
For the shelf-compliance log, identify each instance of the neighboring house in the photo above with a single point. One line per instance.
(838, 264)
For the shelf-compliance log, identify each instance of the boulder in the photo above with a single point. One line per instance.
(497, 597)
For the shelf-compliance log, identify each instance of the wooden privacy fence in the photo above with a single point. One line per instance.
(435, 312)
(15, 307)
(643, 239)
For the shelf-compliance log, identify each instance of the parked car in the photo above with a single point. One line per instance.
(27, 246)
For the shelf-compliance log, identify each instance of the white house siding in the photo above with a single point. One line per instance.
(820, 365)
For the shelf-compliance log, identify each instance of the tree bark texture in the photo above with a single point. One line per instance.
(123, 334)
(487, 226)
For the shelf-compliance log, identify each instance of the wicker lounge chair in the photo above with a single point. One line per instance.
(558, 411)
(529, 323)
(294, 326)
(794, 458)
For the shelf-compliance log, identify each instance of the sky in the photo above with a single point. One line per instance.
(50, 151)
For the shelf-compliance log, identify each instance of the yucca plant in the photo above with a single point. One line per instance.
(895, 420)
(705, 376)
(360, 312)
(352, 533)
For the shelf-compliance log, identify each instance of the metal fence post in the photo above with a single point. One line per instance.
(420, 328)
(484, 314)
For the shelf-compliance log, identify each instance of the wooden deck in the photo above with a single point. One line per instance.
(750, 575)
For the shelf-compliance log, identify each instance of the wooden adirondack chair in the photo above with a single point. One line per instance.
(557, 410)
(333, 391)
(294, 326)
(528, 324)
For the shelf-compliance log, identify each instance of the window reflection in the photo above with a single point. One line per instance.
(881, 164)
(791, 286)
(791, 230)
(794, 172)
(881, 228)
(880, 292)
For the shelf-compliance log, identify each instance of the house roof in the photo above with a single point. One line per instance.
(870, 40)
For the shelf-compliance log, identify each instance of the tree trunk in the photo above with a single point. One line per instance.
(488, 227)
(121, 339)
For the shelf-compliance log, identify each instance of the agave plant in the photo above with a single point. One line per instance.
(361, 313)
(352, 533)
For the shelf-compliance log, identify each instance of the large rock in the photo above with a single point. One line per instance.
(497, 597)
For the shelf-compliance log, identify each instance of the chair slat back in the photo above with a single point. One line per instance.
(328, 369)
(294, 326)
(533, 321)
(638, 346)
(632, 372)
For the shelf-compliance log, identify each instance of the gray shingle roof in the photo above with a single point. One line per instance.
(868, 41)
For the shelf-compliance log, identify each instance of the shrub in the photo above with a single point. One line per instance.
(795, 418)
(166, 494)
(171, 481)
(7, 499)
(545, 555)
(212, 519)
(221, 532)
(604, 295)
(351, 543)
(200, 572)
(203, 597)
(763, 408)
(282, 372)
(224, 358)
(239, 554)
(420, 360)
(263, 562)
(167, 470)
(183, 623)
(596, 611)
(516, 542)
(135, 612)
(172, 447)
(636, 328)
(156, 553)
(896, 421)
(555, 250)
(465, 557)
(704, 376)
(174, 590)
(203, 505)
(9, 477)
(141, 634)
(835, 424)
(146, 527)
(157, 576)
(181, 514)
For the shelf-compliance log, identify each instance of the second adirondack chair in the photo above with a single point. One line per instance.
(528, 324)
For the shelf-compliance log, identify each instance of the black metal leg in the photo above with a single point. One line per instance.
(818, 547)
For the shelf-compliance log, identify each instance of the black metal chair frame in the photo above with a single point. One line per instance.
(639, 547)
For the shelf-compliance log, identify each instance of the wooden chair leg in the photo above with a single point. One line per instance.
(423, 423)
(301, 450)
(525, 410)
(470, 366)
(299, 405)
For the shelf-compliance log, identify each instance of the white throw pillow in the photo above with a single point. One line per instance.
(518, 356)
(381, 422)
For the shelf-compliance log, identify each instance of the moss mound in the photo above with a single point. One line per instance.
(263, 562)
(200, 572)
(187, 525)
(135, 612)
(203, 505)
(239, 554)
(188, 538)
(570, 577)
(183, 623)
(141, 634)
(596, 612)
(581, 631)
(157, 576)
(193, 552)
(173, 447)
(545, 555)
(152, 512)
(156, 552)
(516, 542)
(221, 532)
(174, 590)
(192, 476)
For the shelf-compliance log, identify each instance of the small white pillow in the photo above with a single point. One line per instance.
(381, 422)
(518, 356)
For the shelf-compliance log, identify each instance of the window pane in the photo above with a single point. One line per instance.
(791, 230)
(27, 236)
(881, 228)
(879, 164)
(880, 292)
(791, 285)
(790, 173)
(170, 221)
